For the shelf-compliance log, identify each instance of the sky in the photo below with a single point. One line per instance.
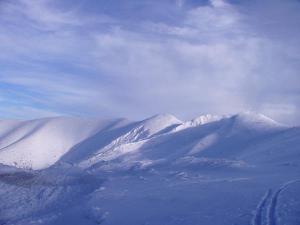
(137, 58)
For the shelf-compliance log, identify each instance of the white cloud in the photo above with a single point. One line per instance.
(217, 59)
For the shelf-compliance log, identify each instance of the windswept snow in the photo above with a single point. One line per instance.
(38, 144)
(259, 122)
(240, 169)
(201, 120)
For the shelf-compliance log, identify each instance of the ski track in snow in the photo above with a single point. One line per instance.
(161, 148)
(271, 213)
(259, 210)
(273, 205)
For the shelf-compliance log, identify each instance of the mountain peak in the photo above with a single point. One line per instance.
(158, 122)
(200, 120)
(255, 120)
(163, 117)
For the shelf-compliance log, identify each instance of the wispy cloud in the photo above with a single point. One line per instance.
(213, 57)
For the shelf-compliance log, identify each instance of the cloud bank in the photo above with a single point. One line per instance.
(135, 59)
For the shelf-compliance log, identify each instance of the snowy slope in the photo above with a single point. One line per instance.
(133, 140)
(38, 144)
(214, 170)
(218, 137)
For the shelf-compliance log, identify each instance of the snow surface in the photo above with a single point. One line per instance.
(38, 144)
(239, 169)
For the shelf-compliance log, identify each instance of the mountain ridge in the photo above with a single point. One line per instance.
(40, 143)
(238, 169)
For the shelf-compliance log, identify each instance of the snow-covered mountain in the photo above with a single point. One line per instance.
(156, 171)
(38, 144)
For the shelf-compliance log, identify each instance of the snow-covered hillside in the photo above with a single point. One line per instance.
(239, 169)
(38, 144)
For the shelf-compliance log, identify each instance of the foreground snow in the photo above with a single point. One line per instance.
(240, 169)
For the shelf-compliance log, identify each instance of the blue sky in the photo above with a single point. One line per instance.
(137, 58)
